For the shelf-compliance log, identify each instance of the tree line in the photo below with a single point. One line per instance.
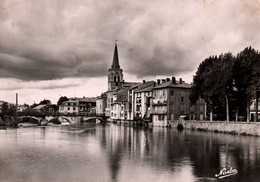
(228, 84)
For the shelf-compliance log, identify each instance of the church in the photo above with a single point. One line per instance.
(116, 84)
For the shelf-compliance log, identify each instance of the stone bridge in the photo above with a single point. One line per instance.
(63, 120)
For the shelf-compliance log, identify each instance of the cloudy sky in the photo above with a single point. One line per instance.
(52, 48)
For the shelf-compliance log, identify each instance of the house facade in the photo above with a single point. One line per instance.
(142, 100)
(69, 107)
(101, 104)
(77, 106)
(253, 108)
(118, 106)
(171, 101)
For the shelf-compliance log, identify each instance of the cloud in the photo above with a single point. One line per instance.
(14, 84)
(35, 91)
(50, 40)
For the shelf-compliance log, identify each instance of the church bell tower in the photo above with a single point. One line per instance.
(115, 73)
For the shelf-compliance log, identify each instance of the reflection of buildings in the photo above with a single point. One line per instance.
(165, 150)
(160, 102)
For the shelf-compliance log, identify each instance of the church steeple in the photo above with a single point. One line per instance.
(115, 73)
(115, 64)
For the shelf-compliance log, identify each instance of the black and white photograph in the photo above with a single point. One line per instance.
(129, 91)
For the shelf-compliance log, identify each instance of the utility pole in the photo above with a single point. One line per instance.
(256, 105)
(16, 107)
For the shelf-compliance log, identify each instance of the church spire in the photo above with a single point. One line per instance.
(115, 64)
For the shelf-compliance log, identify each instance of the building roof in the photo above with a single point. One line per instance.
(86, 99)
(169, 84)
(115, 65)
(121, 96)
(145, 87)
(40, 106)
(130, 84)
(71, 100)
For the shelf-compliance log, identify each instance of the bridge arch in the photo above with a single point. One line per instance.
(60, 120)
(54, 120)
(29, 119)
(90, 118)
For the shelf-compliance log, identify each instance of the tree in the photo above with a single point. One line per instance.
(4, 107)
(228, 79)
(246, 76)
(204, 82)
(224, 78)
(8, 109)
(61, 100)
(45, 102)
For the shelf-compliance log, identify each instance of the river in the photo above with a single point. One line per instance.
(121, 153)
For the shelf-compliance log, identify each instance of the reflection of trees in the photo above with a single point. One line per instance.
(168, 149)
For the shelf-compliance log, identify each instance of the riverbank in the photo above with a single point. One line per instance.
(241, 128)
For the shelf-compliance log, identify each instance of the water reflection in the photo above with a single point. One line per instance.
(123, 153)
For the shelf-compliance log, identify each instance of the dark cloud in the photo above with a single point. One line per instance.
(13, 84)
(46, 40)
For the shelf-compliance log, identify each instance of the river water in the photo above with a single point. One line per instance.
(111, 152)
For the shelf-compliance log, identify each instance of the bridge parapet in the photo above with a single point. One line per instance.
(61, 119)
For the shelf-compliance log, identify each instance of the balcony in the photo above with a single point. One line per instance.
(159, 112)
(159, 102)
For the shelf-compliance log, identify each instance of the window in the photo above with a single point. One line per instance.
(172, 92)
(161, 117)
(182, 99)
(138, 108)
(74, 108)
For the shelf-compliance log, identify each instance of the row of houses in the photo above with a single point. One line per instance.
(160, 102)
(72, 106)
(82, 106)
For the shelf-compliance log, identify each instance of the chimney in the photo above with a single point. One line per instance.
(154, 84)
(168, 79)
(143, 81)
(158, 81)
(180, 81)
(163, 80)
(173, 80)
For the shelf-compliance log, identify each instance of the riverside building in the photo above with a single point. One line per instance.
(160, 102)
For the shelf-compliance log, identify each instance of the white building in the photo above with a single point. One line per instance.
(118, 106)
(70, 107)
(142, 100)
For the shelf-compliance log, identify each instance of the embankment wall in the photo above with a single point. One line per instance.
(243, 128)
